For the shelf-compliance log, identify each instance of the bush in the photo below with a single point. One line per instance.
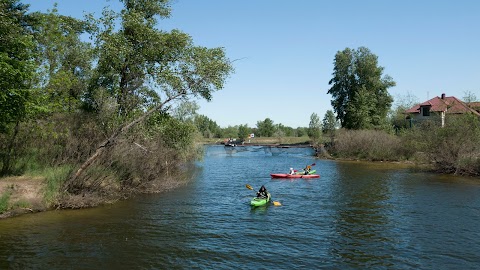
(454, 148)
(372, 145)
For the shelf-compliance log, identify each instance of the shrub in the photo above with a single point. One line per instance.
(372, 145)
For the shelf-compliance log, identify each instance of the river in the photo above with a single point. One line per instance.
(355, 216)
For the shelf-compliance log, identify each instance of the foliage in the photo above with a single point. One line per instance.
(397, 114)
(64, 60)
(4, 198)
(243, 131)
(207, 127)
(329, 124)
(359, 92)
(315, 128)
(265, 128)
(54, 178)
(185, 111)
(85, 92)
(301, 131)
(145, 70)
(454, 148)
(229, 132)
(469, 97)
(141, 66)
(16, 73)
(375, 145)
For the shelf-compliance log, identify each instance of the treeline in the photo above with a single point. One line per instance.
(102, 112)
(266, 128)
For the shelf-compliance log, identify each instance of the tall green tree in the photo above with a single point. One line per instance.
(265, 128)
(314, 128)
(329, 125)
(359, 90)
(16, 73)
(64, 59)
(147, 70)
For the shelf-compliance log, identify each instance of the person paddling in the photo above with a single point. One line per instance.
(307, 169)
(262, 192)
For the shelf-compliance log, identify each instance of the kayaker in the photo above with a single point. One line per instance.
(292, 171)
(262, 192)
(307, 169)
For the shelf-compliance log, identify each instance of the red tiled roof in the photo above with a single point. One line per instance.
(474, 105)
(447, 104)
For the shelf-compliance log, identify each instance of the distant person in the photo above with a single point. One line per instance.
(262, 192)
(292, 171)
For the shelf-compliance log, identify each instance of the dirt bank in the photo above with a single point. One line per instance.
(26, 195)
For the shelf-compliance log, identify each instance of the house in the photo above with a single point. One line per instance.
(439, 108)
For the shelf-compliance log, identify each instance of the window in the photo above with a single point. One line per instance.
(426, 111)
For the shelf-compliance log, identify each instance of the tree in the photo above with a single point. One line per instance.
(401, 104)
(243, 131)
(360, 95)
(185, 111)
(329, 124)
(207, 127)
(16, 73)
(147, 70)
(469, 97)
(230, 132)
(64, 60)
(314, 128)
(300, 131)
(265, 128)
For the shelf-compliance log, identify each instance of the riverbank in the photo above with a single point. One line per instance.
(20, 195)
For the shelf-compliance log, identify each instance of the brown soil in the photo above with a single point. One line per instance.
(26, 195)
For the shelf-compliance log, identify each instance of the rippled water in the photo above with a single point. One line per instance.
(355, 216)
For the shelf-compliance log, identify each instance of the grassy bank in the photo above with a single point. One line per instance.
(453, 149)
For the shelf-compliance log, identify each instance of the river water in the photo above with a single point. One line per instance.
(355, 216)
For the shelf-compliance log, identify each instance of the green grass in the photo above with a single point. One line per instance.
(22, 204)
(4, 201)
(54, 179)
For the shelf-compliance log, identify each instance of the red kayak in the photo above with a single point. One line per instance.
(286, 175)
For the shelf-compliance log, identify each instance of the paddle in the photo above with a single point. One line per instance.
(274, 202)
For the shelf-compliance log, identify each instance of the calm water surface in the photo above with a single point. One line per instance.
(355, 216)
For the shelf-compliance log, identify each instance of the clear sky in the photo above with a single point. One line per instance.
(285, 49)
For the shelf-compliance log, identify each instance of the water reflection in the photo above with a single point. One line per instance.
(355, 216)
(253, 150)
(361, 221)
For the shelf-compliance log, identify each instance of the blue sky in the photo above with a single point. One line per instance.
(285, 49)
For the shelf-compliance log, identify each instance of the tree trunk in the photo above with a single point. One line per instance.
(70, 183)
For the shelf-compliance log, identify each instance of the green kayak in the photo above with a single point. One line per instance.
(303, 172)
(260, 201)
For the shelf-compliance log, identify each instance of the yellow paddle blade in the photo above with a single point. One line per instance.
(249, 187)
(276, 203)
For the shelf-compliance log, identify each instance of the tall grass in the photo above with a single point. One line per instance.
(54, 179)
(4, 201)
